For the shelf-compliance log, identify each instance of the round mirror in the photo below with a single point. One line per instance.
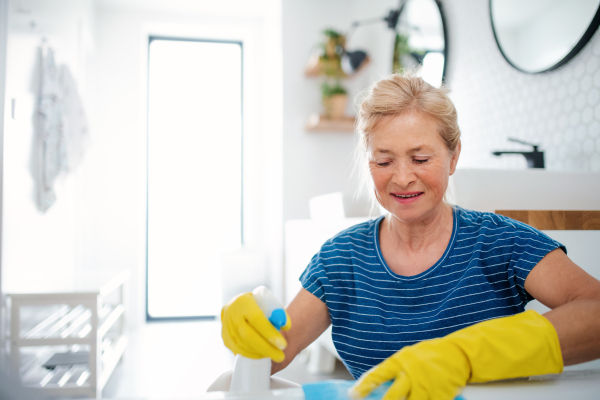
(542, 35)
(421, 39)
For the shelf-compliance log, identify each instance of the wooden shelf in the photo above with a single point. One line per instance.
(556, 219)
(314, 69)
(319, 123)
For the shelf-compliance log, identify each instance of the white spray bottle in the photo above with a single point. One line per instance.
(255, 375)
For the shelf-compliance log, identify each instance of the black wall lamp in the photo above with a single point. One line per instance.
(353, 60)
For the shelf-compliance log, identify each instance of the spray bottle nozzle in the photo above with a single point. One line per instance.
(278, 318)
(270, 306)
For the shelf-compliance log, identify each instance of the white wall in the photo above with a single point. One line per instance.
(115, 190)
(39, 249)
(3, 34)
(317, 163)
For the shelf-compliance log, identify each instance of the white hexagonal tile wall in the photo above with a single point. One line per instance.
(588, 147)
(597, 78)
(594, 129)
(586, 83)
(592, 65)
(595, 163)
(559, 109)
(593, 96)
(573, 87)
(587, 115)
(568, 104)
(580, 101)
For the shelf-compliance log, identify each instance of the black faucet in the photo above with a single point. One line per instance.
(535, 158)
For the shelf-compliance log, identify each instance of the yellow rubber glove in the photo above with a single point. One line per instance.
(246, 330)
(520, 345)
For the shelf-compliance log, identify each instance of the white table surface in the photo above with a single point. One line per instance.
(570, 385)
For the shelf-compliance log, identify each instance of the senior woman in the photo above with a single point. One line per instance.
(429, 295)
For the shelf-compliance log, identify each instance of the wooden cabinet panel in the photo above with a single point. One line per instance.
(556, 219)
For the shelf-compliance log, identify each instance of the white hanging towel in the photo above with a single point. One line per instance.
(53, 149)
(62, 128)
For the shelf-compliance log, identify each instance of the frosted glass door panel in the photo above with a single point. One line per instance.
(194, 173)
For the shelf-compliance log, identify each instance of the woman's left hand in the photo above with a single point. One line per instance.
(510, 347)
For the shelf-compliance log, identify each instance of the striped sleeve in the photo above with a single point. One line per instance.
(314, 278)
(530, 246)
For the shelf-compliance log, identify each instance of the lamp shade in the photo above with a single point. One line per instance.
(352, 60)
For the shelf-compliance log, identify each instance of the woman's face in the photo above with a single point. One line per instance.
(410, 166)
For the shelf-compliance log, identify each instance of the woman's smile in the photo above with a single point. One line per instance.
(406, 197)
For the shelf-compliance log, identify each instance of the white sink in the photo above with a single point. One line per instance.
(529, 189)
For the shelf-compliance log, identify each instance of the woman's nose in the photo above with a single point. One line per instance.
(404, 174)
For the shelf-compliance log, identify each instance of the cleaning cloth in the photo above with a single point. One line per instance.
(337, 389)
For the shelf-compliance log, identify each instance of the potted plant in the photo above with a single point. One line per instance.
(328, 60)
(331, 58)
(327, 64)
(333, 94)
(335, 98)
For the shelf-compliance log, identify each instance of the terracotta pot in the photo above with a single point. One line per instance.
(335, 106)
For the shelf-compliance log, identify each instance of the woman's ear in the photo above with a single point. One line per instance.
(455, 156)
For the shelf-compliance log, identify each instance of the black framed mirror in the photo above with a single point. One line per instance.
(537, 36)
(421, 38)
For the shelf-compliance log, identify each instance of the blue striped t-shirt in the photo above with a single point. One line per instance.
(375, 312)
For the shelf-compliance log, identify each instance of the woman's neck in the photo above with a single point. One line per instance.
(416, 237)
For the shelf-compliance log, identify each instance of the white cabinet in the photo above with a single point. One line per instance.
(67, 341)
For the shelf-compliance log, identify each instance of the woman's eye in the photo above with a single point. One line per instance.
(421, 160)
(383, 164)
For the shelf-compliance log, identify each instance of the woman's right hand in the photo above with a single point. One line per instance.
(247, 331)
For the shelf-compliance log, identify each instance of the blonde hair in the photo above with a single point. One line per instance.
(403, 93)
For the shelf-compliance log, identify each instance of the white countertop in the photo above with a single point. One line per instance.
(575, 385)
(570, 385)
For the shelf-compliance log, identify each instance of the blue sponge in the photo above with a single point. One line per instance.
(337, 390)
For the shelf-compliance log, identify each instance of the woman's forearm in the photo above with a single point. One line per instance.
(290, 354)
(578, 326)
(574, 297)
(310, 318)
